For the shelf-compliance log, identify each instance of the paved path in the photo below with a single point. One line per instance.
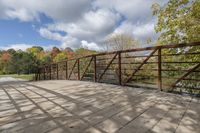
(9, 79)
(85, 107)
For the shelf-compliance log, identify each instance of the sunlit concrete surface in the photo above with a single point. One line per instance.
(86, 107)
(9, 79)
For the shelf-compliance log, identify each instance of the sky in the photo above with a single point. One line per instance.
(73, 23)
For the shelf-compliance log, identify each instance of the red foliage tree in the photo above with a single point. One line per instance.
(5, 57)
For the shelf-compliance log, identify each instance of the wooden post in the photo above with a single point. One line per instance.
(159, 69)
(95, 69)
(66, 70)
(39, 73)
(50, 71)
(35, 76)
(119, 69)
(78, 67)
(57, 70)
(44, 73)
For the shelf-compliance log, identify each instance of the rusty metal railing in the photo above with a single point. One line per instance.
(173, 67)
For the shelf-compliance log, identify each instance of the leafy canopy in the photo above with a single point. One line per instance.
(178, 21)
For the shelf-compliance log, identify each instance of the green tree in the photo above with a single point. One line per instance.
(120, 42)
(178, 21)
(35, 50)
(84, 52)
(60, 57)
(11, 51)
(22, 62)
(45, 59)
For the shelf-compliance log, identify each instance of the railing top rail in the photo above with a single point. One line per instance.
(181, 45)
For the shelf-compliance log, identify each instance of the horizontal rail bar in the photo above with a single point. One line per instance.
(156, 65)
(140, 49)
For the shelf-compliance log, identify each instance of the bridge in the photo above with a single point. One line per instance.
(122, 91)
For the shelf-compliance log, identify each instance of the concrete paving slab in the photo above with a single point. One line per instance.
(86, 107)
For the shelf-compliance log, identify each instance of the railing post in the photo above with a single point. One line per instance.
(39, 73)
(159, 69)
(66, 70)
(78, 67)
(95, 69)
(35, 78)
(50, 71)
(119, 69)
(57, 70)
(44, 73)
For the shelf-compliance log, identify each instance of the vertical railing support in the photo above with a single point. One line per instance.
(57, 70)
(39, 73)
(95, 69)
(44, 73)
(50, 71)
(35, 76)
(159, 69)
(119, 69)
(66, 74)
(78, 67)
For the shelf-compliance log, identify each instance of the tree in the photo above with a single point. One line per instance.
(54, 52)
(22, 62)
(4, 61)
(178, 21)
(35, 50)
(68, 49)
(84, 52)
(120, 42)
(45, 58)
(60, 57)
(5, 57)
(11, 51)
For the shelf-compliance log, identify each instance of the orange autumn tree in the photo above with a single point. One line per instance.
(4, 61)
(5, 57)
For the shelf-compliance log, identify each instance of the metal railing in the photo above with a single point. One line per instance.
(170, 68)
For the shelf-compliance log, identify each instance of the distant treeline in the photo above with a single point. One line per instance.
(25, 62)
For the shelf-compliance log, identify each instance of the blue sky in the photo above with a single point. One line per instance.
(18, 32)
(14, 31)
(68, 23)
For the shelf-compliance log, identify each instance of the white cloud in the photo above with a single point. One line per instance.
(17, 46)
(86, 22)
(91, 46)
(60, 10)
(144, 30)
(22, 14)
(70, 42)
(133, 10)
(24, 46)
(93, 26)
(44, 32)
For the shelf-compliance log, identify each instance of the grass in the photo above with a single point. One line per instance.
(21, 76)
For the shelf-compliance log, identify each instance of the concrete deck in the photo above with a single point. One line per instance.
(85, 107)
